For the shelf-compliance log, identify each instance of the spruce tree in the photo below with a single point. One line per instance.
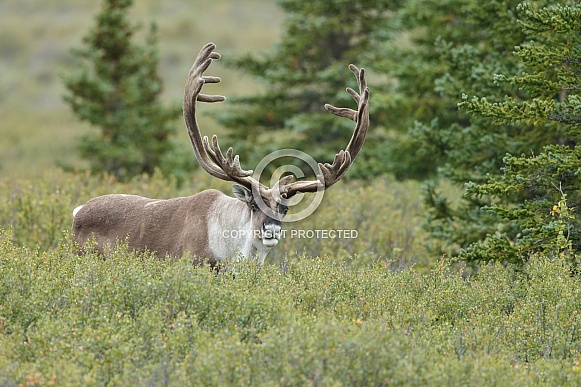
(434, 48)
(117, 89)
(456, 46)
(307, 69)
(537, 195)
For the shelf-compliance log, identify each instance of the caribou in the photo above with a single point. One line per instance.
(211, 225)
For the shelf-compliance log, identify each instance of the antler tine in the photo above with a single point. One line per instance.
(230, 166)
(212, 160)
(332, 173)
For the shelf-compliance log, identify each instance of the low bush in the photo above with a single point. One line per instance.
(383, 216)
(370, 310)
(128, 319)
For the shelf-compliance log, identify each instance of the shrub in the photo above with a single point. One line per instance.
(384, 214)
(130, 319)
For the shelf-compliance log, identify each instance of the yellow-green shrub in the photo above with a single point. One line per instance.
(127, 319)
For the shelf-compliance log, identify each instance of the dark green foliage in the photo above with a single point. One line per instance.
(524, 111)
(434, 51)
(470, 41)
(117, 89)
(308, 69)
(454, 47)
(536, 197)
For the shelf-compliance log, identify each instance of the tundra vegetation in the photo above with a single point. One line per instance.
(501, 306)
(374, 310)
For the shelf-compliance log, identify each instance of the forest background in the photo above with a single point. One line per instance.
(472, 157)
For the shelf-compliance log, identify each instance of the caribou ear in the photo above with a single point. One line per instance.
(242, 193)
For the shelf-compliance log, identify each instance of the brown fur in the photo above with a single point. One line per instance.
(188, 225)
(171, 227)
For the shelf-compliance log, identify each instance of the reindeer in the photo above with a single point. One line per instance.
(211, 225)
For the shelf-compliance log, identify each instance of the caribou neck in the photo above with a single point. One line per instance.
(230, 230)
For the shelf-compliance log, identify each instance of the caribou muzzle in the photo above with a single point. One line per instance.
(197, 224)
(271, 233)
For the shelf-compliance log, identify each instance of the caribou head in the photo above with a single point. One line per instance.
(211, 225)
